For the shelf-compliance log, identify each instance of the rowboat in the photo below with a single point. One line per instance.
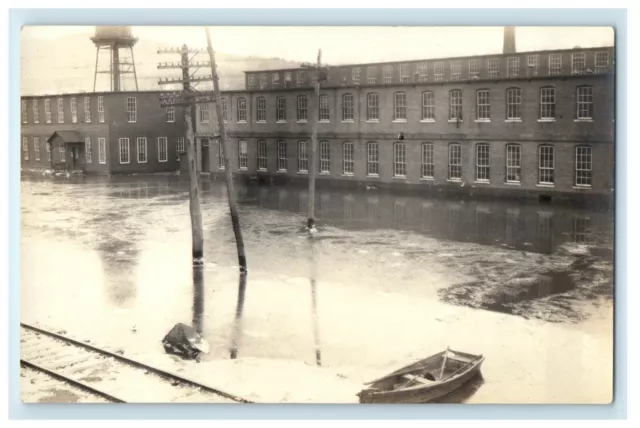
(424, 380)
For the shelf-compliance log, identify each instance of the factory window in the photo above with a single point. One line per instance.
(548, 103)
(404, 73)
(124, 150)
(421, 69)
(513, 163)
(533, 65)
(400, 107)
(47, 110)
(60, 110)
(583, 166)
(302, 108)
(275, 79)
(325, 157)
(87, 149)
(87, 109)
(348, 158)
(455, 162)
(251, 80)
(438, 71)
(180, 145)
(483, 105)
(243, 155)
(584, 103)
(373, 159)
(36, 148)
(428, 107)
(102, 150)
(371, 75)
(221, 160)
(493, 65)
(303, 159)
(242, 110)
(225, 109)
(282, 156)
(514, 100)
(347, 107)
(302, 77)
(483, 169)
(141, 144)
(513, 66)
(25, 148)
(387, 74)
(36, 113)
(546, 165)
(288, 79)
(261, 109)
(24, 113)
(474, 70)
(555, 64)
(399, 160)
(455, 105)
(170, 113)
(163, 150)
(355, 75)
(101, 109)
(263, 81)
(428, 165)
(281, 109)
(373, 107)
(74, 110)
(132, 113)
(63, 153)
(48, 148)
(324, 111)
(204, 113)
(601, 62)
(578, 63)
(262, 155)
(455, 70)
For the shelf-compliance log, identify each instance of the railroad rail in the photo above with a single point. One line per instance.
(109, 375)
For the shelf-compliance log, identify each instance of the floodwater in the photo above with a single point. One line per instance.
(387, 280)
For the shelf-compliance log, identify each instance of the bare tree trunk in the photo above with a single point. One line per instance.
(233, 209)
(197, 239)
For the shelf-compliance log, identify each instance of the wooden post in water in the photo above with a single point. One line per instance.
(314, 147)
(197, 237)
(233, 209)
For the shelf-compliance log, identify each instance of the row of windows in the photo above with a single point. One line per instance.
(141, 151)
(102, 150)
(584, 103)
(513, 161)
(73, 107)
(440, 72)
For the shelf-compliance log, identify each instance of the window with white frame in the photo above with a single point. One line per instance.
(102, 150)
(163, 149)
(483, 169)
(36, 148)
(371, 75)
(204, 113)
(87, 109)
(421, 69)
(438, 71)
(348, 163)
(74, 110)
(325, 157)
(225, 109)
(555, 64)
(373, 159)
(493, 65)
(533, 65)
(578, 63)
(262, 155)
(474, 69)
(101, 109)
(243, 155)
(427, 165)
(24, 111)
(399, 160)
(347, 107)
(548, 103)
(221, 160)
(584, 103)
(455, 162)
(241, 105)
(404, 73)
(141, 144)
(373, 107)
(47, 110)
(514, 100)
(275, 79)
(303, 159)
(281, 109)
(483, 104)
(455, 105)
(288, 79)
(123, 144)
(261, 109)
(62, 150)
(455, 69)
(282, 155)
(428, 107)
(514, 163)
(60, 110)
(170, 112)
(302, 77)
(601, 62)
(302, 108)
(324, 113)
(132, 110)
(48, 149)
(387, 74)
(355, 75)
(400, 106)
(180, 145)
(36, 112)
(263, 81)
(88, 153)
(546, 164)
(583, 166)
(513, 66)
(251, 80)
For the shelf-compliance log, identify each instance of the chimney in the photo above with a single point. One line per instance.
(509, 46)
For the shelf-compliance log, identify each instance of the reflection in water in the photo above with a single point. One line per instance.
(198, 298)
(314, 302)
(237, 324)
(463, 393)
(581, 230)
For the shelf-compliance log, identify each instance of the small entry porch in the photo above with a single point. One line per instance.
(67, 151)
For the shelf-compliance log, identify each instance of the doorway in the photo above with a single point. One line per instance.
(205, 156)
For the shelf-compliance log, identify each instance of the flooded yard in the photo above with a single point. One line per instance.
(387, 280)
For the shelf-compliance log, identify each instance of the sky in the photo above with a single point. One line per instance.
(345, 45)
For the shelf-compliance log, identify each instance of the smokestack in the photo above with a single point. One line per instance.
(509, 46)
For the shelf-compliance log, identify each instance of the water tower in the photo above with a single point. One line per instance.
(116, 40)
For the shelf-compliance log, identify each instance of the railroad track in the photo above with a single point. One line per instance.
(114, 377)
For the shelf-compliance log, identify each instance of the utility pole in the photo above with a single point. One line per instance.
(188, 98)
(233, 209)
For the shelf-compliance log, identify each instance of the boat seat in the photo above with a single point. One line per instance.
(420, 379)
